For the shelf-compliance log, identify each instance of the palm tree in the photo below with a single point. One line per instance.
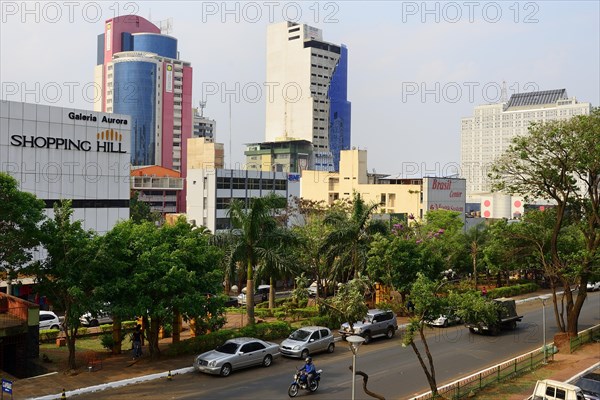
(256, 230)
(277, 260)
(347, 245)
(475, 239)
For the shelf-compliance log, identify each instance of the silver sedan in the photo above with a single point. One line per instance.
(236, 354)
(306, 341)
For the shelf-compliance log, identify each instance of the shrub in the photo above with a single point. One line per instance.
(48, 335)
(263, 312)
(201, 344)
(280, 315)
(82, 331)
(280, 302)
(167, 330)
(322, 320)
(515, 290)
(128, 324)
(106, 328)
(267, 331)
(107, 342)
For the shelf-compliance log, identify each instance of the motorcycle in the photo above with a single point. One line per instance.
(301, 382)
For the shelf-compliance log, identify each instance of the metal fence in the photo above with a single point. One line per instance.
(584, 337)
(518, 365)
(465, 387)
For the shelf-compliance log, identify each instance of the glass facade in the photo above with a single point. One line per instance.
(164, 46)
(340, 110)
(135, 95)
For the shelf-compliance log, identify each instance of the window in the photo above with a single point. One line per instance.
(223, 182)
(314, 336)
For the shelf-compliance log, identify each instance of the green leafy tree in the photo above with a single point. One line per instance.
(140, 211)
(560, 161)
(348, 304)
(68, 275)
(20, 214)
(425, 247)
(160, 272)
(312, 233)
(505, 251)
(472, 308)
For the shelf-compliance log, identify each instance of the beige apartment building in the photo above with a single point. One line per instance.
(393, 194)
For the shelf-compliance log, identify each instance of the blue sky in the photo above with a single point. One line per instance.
(415, 68)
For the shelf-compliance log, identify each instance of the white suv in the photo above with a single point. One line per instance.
(49, 320)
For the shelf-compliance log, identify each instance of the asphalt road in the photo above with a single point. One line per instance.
(394, 371)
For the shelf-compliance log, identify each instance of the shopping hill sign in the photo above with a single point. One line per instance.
(108, 141)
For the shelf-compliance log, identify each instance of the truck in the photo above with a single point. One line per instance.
(548, 389)
(506, 318)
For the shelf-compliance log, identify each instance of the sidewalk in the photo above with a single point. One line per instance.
(122, 367)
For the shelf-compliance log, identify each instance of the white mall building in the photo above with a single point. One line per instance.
(63, 153)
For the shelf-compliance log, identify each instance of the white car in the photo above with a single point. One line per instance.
(444, 321)
(593, 286)
(49, 320)
(261, 295)
(102, 318)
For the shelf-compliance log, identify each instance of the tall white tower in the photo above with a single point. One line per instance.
(300, 67)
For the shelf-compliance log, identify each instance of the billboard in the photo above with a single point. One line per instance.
(444, 194)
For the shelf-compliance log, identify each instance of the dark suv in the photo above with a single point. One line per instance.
(376, 323)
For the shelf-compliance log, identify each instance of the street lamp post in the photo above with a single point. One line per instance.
(355, 342)
(543, 299)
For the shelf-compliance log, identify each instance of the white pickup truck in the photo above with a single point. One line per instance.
(548, 389)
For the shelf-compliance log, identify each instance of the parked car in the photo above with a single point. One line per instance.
(307, 340)
(49, 320)
(261, 294)
(593, 286)
(102, 318)
(376, 323)
(590, 385)
(312, 289)
(235, 354)
(444, 320)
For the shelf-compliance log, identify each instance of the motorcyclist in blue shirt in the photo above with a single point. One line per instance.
(309, 370)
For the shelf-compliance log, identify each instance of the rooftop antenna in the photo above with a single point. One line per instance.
(285, 121)
(165, 26)
(503, 96)
(202, 106)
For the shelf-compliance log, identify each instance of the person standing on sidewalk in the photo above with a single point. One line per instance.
(137, 337)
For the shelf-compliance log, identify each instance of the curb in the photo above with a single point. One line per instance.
(572, 379)
(116, 384)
